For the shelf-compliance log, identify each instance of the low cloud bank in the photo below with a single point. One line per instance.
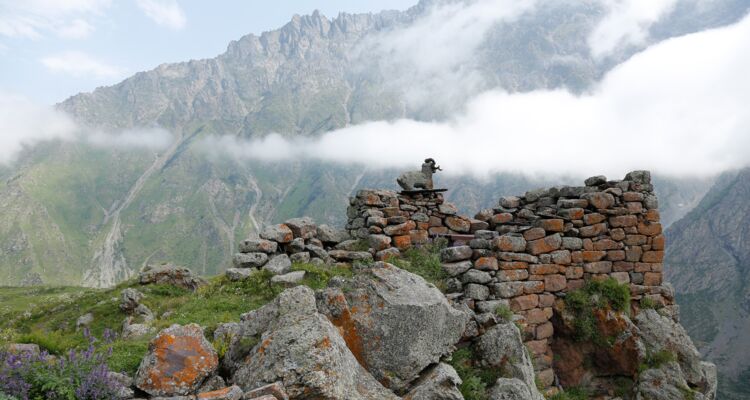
(679, 108)
(25, 124)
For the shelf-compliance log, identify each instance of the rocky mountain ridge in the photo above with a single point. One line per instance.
(73, 214)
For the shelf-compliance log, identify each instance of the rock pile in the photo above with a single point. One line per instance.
(296, 240)
(392, 222)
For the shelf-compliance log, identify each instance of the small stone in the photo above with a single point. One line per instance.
(510, 202)
(447, 209)
(300, 258)
(486, 264)
(278, 265)
(572, 243)
(475, 276)
(599, 200)
(458, 224)
(593, 230)
(453, 254)
(455, 269)
(290, 278)
(330, 235)
(508, 289)
(258, 246)
(640, 176)
(296, 246)
(387, 254)
(249, 260)
(379, 242)
(555, 283)
(476, 292)
(534, 233)
(546, 245)
(228, 393)
(278, 233)
(596, 180)
(600, 267)
(509, 243)
(302, 227)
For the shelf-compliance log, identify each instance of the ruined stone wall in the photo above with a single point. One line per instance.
(529, 250)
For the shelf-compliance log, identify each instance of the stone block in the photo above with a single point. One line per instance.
(512, 275)
(509, 243)
(525, 302)
(593, 230)
(555, 283)
(600, 267)
(486, 264)
(545, 245)
(534, 233)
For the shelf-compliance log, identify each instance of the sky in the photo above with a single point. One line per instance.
(678, 107)
(53, 49)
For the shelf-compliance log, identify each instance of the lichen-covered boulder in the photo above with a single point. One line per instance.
(502, 347)
(440, 382)
(178, 361)
(662, 333)
(170, 274)
(299, 347)
(667, 383)
(395, 323)
(302, 227)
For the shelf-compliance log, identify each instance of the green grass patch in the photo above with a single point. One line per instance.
(607, 294)
(317, 277)
(504, 312)
(476, 380)
(425, 262)
(126, 355)
(657, 359)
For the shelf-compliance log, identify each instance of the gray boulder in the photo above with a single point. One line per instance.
(302, 349)
(440, 382)
(666, 383)
(84, 320)
(661, 333)
(502, 347)
(249, 260)
(394, 321)
(279, 264)
(454, 254)
(289, 279)
(510, 389)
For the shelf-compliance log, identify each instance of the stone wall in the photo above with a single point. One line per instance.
(530, 250)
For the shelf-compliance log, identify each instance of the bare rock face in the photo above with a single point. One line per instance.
(169, 274)
(510, 389)
(502, 347)
(668, 383)
(395, 323)
(438, 383)
(300, 348)
(178, 361)
(659, 332)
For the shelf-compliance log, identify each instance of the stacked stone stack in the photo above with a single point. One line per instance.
(298, 240)
(392, 222)
(550, 241)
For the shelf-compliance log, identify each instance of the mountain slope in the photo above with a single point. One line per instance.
(77, 214)
(708, 261)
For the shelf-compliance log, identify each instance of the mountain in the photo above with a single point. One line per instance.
(74, 214)
(708, 261)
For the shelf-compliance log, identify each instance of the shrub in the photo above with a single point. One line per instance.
(504, 312)
(475, 380)
(81, 375)
(649, 303)
(596, 295)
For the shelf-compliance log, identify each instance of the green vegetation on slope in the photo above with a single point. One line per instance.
(47, 316)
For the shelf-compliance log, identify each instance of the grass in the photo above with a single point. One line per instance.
(475, 380)
(607, 294)
(504, 312)
(649, 303)
(425, 262)
(657, 359)
(47, 316)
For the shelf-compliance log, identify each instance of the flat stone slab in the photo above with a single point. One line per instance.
(422, 191)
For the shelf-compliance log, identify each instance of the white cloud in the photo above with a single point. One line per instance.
(164, 12)
(678, 108)
(25, 124)
(627, 23)
(77, 29)
(154, 139)
(434, 58)
(34, 19)
(80, 64)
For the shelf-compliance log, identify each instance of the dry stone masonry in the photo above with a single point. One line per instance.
(530, 250)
